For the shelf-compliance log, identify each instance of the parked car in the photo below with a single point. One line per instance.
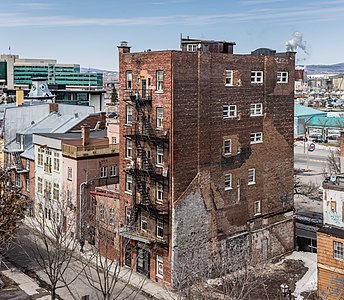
(314, 135)
(334, 137)
(319, 139)
(301, 138)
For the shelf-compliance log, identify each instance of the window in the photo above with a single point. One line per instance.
(229, 78)
(160, 81)
(101, 212)
(191, 47)
(111, 215)
(159, 229)
(129, 149)
(251, 174)
(27, 183)
(18, 180)
(40, 156)
(159, 266)
(227, 147)
(256, 76)
(282, 77)
(129, 183)
(127, 215)
(257, 209)
(39, 185)
(56, 191)
(256, 137)
(113, 140)
(70, 173)
(129, 80)
(159, 192)
(333, 206)
(229, 111)
(337, 250)
(47, 190)
(144, 224)
(27, 165)
(159, 155)
(103, 172)
(129, 114)
(159, 117)
(69, 198)
(47, 165)
(113, 170)
(256, 109)
(228, 182)
(56, 161)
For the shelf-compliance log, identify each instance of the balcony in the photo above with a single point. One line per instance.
(89, 151)
(140, 235)
(140, 97)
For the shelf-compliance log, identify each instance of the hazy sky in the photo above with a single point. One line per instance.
(87, 32)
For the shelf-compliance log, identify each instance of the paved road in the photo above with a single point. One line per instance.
(18, 252)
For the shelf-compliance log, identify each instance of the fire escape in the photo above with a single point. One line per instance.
(143, 171)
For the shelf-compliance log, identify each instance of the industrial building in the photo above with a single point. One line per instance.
(206, 159)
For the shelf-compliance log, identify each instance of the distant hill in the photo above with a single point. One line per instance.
(320, 69)
(86, 70)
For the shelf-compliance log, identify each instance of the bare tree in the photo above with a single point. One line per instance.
(333, 162)
(306, 189)
(12, 207)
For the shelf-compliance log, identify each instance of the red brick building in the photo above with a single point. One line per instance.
(206, 158)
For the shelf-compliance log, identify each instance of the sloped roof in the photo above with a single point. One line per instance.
(301, 110)
(320, 121)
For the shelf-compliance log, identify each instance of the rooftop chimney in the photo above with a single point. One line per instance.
(85, 134)
(123, 47)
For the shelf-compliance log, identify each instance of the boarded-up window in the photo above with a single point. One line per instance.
(333, 206)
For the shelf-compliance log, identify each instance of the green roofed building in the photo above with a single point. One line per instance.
(302, 114)
(18, 72)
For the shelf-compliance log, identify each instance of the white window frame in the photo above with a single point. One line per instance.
(127, 215)
(159, 227)
(70, 173)
(159, 117)
(56, 191)
(40, 185)
(229, 78)
(27, 167)
(111, 215)
(251, 176)
(129, 80)
(101, 212)
(129, 115)
(159, 81)
(159, 156)
(103, 172)
(228, 181)
(17, 178)
(27, 183)
(144, 221)
(338, 250)
(113, 170)
(159, 266)
(257, 76)
(129, 183)
(191, 47)
(114, 140)
(129, 149)
(229, 111)
(257, 208)
(256, 137)
(159, 192)
(256, 109)
(56, 162)
(282, 77)
(227, 147)
(40, 158)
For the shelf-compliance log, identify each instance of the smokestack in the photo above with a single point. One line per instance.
(85, 134)
(123, 47)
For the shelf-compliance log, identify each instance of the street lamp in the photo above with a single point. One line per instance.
(286, 290)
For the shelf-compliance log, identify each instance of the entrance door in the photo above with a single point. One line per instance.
(144, 88)
(143, 262)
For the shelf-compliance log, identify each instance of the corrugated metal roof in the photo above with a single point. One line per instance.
(301, 110)
(320, 121)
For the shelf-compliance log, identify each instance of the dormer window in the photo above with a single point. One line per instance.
(191, 47)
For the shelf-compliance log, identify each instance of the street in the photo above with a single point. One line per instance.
(18, 254)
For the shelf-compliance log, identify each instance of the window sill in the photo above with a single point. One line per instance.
(231, 117)
(251, 183)
(159, 166)
(228, 189)
(159, 92)
(260, 115)
(257, 214)
(128, 124)
(229, 85)
(159, 276)
(260, 142)
(103, 177)
(128, 193)
(227, 154)
(282, 82)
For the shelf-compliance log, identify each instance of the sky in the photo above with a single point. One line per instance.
(87, 32)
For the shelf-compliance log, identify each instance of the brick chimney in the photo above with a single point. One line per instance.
(53, 107)
(341, 144)
(85, 134)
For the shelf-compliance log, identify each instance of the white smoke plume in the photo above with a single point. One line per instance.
(296, 42)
